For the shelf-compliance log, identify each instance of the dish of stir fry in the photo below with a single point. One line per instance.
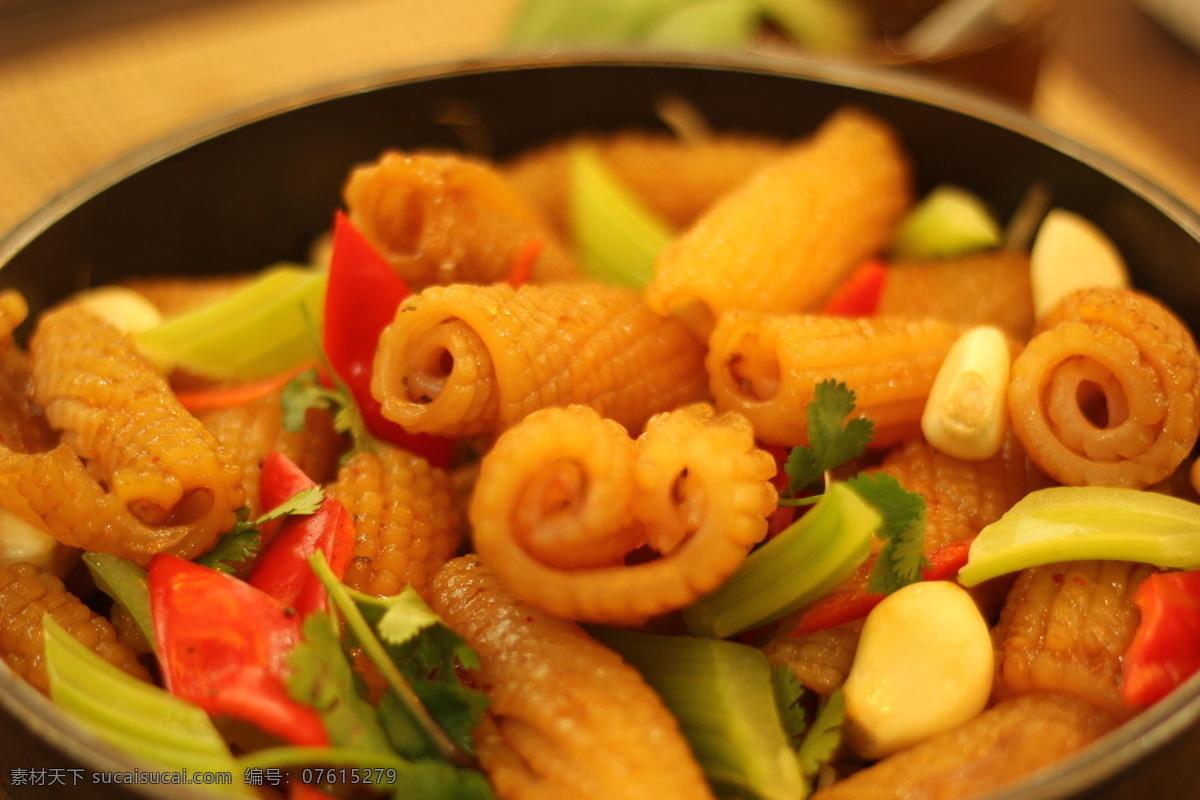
(640, 464)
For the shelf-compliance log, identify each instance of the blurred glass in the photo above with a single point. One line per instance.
(994, 46)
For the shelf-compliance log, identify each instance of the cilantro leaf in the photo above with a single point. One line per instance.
(789, 692)
(305, 392)
(428, 654)
(321, 677)
(824, 737)
(902, 557)
(833, 440)
(240, 545)
(412, 726)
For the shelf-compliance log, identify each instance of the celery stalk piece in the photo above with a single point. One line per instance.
(127, 584)
(721, 694)
(1066, 523)
(266, 328)
(707, 24)
(617, 238)
(136, 717)
(949, 221)
(801, 564)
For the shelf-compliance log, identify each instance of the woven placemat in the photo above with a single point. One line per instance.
(76, 97)
(69, 108)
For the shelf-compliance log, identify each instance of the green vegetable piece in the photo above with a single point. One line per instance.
(834, 440)
(1065, 523)
(136, 717)
(616, 237)
(902, 558)
(824, 738)
(949, 221)
(127, 584)
(796, 567)
(721, 693)
(321, 677)
(257, 332)
(707, 25)
(412, 725)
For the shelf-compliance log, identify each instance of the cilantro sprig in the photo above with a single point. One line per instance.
(816, 742)
(306, 391)
(833, 440)
(836, 438)
(241, 543)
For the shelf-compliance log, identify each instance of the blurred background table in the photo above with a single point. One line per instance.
(85, 81)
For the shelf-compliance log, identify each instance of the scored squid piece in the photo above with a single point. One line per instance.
(468, 360)
(766, 366)
(442, 218)
(567, 716)
(1108, 392)
(1066, 627)
(788, 235)
(406, 520)
(1003, 744)
(156, 480)
(563, 497)
(27, 595)
(985, 288)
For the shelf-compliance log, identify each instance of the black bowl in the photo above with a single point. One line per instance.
(259, 185)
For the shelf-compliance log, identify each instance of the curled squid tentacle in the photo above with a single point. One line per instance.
(693, 488)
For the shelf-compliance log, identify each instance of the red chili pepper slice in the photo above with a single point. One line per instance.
(848, 605)
(859, 295)
(223, 645)
(282, 569)
(1165, 650)
(360, 301)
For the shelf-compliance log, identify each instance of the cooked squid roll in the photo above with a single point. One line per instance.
(568, 717)
(467, 360)
(117, 413)
(1065, 628)
(677, 178)
(27, 595)
(788, 235)
(766, 366)
(563, 497)
(22, 425)
(987, 288)
(54, 492)
(406, 520)
(1003, 744)
(250, 431)
(1107, 393)
(448, 218)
